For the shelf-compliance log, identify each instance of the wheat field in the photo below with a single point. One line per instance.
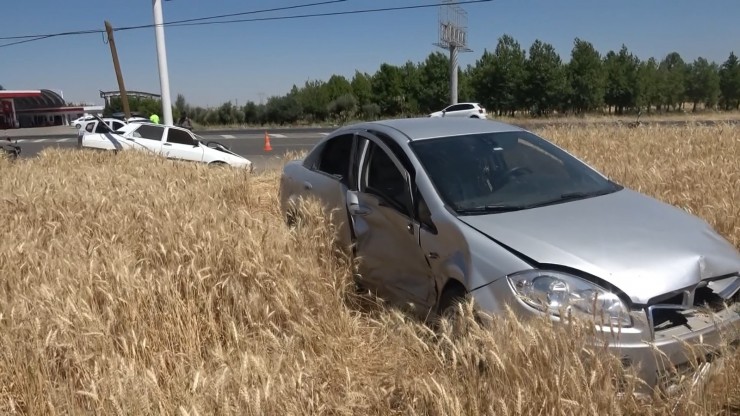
(135, 286)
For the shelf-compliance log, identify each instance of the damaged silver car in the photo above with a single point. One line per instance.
(438, 209)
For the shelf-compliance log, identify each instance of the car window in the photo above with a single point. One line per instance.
(467, 107)
(382, 178)
(179, 136)
(90, 126)
(115, 125)
(101, 127)
(151, 132)
(456, 107)
(507, 169)
(335, 157)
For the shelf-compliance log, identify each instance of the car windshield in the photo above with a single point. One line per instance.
(508, 171)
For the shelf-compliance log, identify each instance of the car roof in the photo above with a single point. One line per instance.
(433, 127)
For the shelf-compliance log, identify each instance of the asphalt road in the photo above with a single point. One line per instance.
(248, 143)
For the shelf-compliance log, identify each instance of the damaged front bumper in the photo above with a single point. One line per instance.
(667, 342)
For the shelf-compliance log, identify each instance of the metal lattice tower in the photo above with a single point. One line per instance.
(453, 36)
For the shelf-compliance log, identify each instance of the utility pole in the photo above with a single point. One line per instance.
(164, 78)
(453, 36)
(117, 67)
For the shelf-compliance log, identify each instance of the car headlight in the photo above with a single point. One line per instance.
(560, 293)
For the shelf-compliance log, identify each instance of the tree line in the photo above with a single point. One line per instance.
(508, 80)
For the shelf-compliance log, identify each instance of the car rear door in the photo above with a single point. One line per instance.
(180, 144)
(326, 177)
(385, 229)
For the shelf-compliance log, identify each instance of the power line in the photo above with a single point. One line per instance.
(199, 22)
(303, 16)
(221, 16)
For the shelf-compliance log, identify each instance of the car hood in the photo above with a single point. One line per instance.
(642, 246)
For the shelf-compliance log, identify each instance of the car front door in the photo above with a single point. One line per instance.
(386, 232)
(180, 144)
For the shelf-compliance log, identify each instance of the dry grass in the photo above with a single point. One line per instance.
(139, 286)
(678, 116)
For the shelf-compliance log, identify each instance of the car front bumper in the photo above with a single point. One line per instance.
(661, 358)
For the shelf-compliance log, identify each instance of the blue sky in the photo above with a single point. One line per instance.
(239, 62)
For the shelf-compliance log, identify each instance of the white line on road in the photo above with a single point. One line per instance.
(228, 136)
(278, 136)
(64, 140)
(324, 134)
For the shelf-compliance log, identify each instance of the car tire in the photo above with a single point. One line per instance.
(77, 126)
(453, 294)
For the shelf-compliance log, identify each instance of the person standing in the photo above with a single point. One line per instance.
(185, 122)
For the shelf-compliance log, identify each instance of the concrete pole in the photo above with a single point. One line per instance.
(453, 74)
(164, 78)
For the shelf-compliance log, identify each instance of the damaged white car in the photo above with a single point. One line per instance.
(169, 141)
(438, 209)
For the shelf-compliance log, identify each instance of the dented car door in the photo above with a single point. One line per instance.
(385, 230)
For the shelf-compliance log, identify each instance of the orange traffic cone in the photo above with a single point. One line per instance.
(268, 147)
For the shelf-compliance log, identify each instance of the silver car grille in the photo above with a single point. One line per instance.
(679, 309)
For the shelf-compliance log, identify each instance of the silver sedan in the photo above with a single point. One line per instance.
(438, 209)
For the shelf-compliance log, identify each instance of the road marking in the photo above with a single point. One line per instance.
(21, 140)
(64, 140)
(324, 134)
(228, 136)
(277, 136)
(41, 140)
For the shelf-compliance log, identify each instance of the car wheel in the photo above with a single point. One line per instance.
(77, 126)
(452, 296)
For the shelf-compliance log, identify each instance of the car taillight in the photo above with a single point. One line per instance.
(481, 110)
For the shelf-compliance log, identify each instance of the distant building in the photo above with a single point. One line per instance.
(38, 108)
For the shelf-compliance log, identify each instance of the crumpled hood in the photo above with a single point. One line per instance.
(642, 246)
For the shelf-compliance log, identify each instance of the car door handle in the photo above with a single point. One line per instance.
(356, 209)
(167, 144)
(307, 185)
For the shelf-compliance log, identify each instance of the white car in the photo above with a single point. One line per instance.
(469, 110)
(80, 122)
(168, 141)
(97, 126)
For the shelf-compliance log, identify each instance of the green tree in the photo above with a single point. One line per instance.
(586, 77)
(343, 107)
(545, 78)
(673, 72)
(283, 110)
(702, 83)
(621, 80)
(251, 113)
(337, 86)
(388, 90)
(729, 75)
(412, 87)
(648, 85)
(362, 88)
(313, 99)
(434, 74)
(181, 105)
(498, 78)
